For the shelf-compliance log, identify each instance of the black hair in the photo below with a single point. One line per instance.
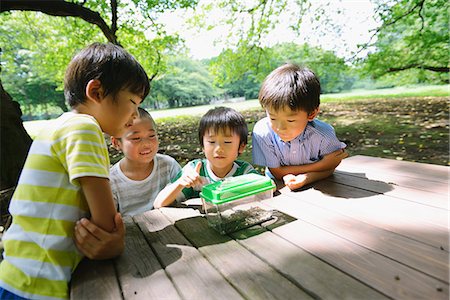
(113, 66)
(290, 86)
(222, 118)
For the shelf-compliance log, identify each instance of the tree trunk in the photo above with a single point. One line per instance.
(14, 141)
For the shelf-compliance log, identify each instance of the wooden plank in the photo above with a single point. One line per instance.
(417, 255)
(193, 276)
(140, 274)
(95, 279)
(383, 274)
(403, 170)
(319, 278)
(254, 278)
(417, 212)
(423, 223)
(388, 188)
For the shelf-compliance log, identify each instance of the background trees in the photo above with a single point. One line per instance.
(409, 46)
(38, 39)
(412, 44)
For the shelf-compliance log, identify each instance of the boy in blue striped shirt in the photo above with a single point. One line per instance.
(293, 145)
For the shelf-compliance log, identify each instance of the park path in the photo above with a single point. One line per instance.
(202, 109)
(33, 127)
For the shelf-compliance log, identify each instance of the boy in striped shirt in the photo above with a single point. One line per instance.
(293, 145)
(65, 176)
(223, 136)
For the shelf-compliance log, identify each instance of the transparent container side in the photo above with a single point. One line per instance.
(237, 214)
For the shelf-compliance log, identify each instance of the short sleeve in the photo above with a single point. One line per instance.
(81, 148)
(263, 149)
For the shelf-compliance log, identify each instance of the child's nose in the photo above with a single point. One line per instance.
(281, 126)
(135, 113)
(219, 147)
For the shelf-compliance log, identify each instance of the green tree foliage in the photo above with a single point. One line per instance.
(412, 44)
(413, 37)
(333, 72)
(37, 47)
(35, 50)
(185, 83)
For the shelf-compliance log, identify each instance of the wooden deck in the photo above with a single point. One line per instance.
(377, 229)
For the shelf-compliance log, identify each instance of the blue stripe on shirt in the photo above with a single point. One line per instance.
(317, 140)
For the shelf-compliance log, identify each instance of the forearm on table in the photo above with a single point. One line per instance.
(319, 166)
(97, 192)
(316, 176)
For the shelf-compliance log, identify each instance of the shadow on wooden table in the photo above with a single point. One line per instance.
(350, 185)
(198, 232)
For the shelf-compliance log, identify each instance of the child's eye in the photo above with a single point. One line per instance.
(211, 142)
(228, 142)
(136, 139)
(290, 121)
(132, 101)
(152, 136)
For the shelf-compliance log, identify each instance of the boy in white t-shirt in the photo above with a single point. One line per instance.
(138, 177)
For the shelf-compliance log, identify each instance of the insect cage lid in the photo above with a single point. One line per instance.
(234, 188)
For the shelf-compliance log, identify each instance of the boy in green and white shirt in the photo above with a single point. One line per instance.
(223, 136)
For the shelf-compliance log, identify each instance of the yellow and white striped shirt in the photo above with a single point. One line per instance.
(40, 254)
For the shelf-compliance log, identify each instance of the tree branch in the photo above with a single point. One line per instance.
(114, 16)
(417, 66)
(392, 22)
(62, 9)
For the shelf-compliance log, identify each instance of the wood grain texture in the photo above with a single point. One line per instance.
(386, 186)
(95, 279)
(421, 222)
(190, 272)
(140, 274)
(417, 255)
(402, 173)
(311, 273)
(254, 278)
(381, 273)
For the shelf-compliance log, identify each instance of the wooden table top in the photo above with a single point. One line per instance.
(376, 229)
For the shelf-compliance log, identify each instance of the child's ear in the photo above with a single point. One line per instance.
(116, 143)
(241, 148)
(313, 114)
(94, 90)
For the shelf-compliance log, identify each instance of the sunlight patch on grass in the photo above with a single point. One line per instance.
(397, 92)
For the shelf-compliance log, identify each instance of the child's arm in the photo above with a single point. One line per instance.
(97, 192)
(189, 178)
(96, 243)
(327, 163)
(297, 181)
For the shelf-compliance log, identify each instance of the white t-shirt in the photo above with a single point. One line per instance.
(133, 197)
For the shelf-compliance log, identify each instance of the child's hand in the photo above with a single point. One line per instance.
(191, 177)
(294, 182)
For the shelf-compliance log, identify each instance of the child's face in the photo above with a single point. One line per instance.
(221, 149)
(287, 123)
(117, 115)
(140, 141)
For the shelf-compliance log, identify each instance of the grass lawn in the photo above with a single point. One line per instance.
(407, 123)
(412, 129)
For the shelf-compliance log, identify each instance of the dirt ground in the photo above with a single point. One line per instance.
(411, 129)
